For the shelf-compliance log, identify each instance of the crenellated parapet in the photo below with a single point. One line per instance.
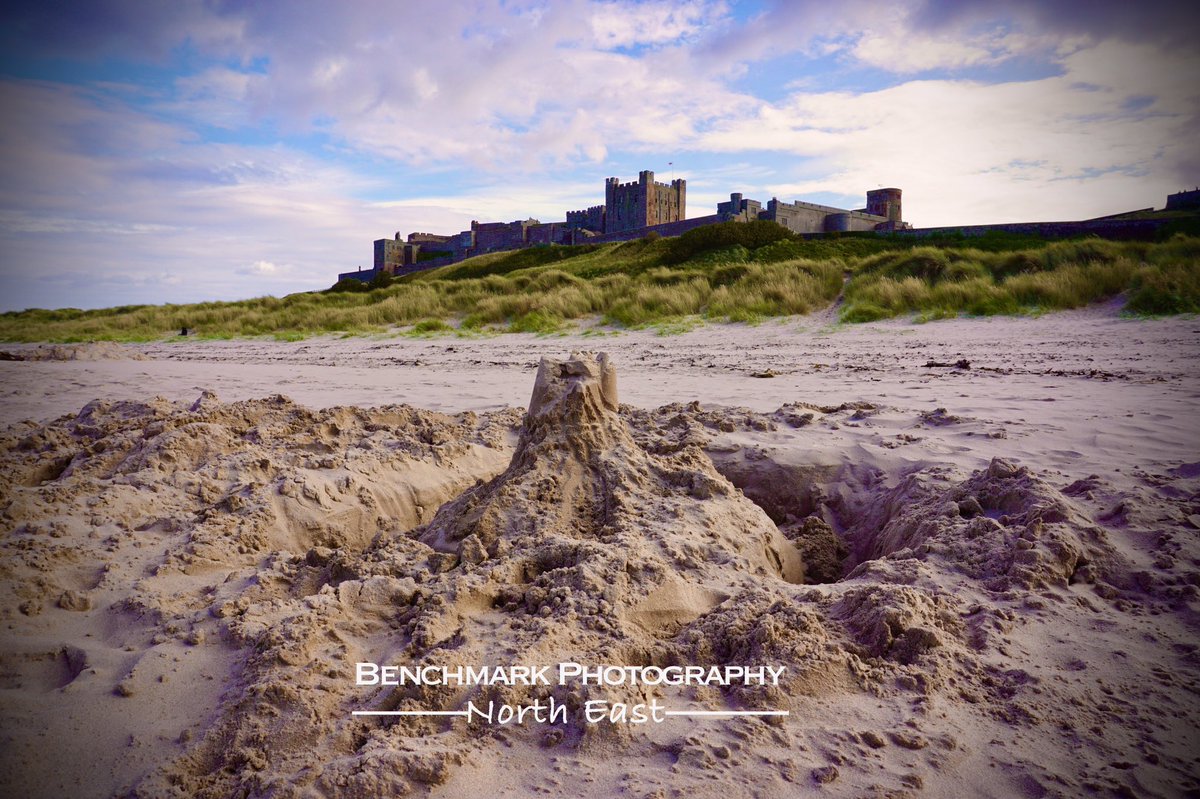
(587, 219)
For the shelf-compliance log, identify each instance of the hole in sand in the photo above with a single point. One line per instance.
(49, 471)
(793, 497)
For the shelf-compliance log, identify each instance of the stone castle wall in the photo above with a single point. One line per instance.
(549, 233)
(677, 228)
(803, 217)
(492, 236)
(587, 219)
(429, 238)
(1115, 229)
(1184, 200)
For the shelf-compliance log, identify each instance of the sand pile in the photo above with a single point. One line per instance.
(586, 549)
(211, 574)
(135, 532)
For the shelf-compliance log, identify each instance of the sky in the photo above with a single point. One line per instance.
(202, 150)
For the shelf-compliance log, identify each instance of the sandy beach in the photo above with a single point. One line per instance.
(971, 546)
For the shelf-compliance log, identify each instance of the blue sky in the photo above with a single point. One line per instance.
(201, 150)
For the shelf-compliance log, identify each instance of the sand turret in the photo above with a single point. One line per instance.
(578, 474)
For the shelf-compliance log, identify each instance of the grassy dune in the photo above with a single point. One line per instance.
(731, 272)
(937, 283)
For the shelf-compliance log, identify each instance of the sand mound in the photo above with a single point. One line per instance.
(586, 548)
(210, 574)
(578, 475)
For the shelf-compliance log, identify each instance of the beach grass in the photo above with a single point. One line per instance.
(941, 282)
(733, 272)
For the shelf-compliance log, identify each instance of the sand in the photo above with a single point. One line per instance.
(970, 546)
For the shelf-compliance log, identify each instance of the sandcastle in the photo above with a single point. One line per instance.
(253, 556)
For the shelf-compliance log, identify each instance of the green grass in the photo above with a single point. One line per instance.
(731, 272)
(429, 327)
(942, 282)
(537, 322)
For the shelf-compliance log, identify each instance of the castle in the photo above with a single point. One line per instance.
(882, 213)
(630, 211)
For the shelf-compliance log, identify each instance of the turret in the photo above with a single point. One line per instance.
(884, 202)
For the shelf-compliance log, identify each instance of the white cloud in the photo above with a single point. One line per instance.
(628, 24)
(82, 226)
(262, 268)
(967, 152)
(920, 53)
(497, 87)
(893, 42)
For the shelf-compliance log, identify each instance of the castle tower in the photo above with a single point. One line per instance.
(632, 206)
(884, 202)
